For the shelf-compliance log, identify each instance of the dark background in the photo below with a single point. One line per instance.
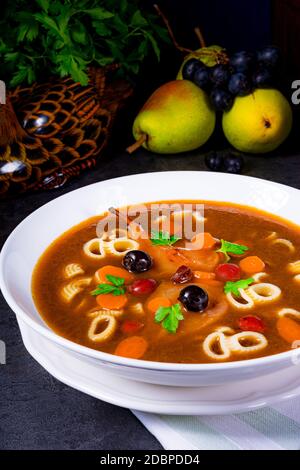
(38, 412)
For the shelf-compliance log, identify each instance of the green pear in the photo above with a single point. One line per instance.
(259, 122)
(177, 117)
(210, 56)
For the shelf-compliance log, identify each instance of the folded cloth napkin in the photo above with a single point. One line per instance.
(270, 428)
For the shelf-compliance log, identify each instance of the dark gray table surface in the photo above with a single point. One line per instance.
(37, 411)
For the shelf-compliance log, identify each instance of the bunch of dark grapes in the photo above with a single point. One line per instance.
(241, 75)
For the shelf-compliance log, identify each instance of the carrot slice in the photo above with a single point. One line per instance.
(204, 275)
(252, 264)
(111, 301)
(133, 347)
(112, 271)
(205, 240)
(288, 329)
(157, 302)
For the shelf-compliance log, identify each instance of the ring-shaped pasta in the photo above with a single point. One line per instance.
(219, 347)
(94, 248)
(75, 287)
(258, 276)
(288, 311)
(107, 333)
(113, 234)
(284, 242)
(73, 269)
(234, 302)
(294, 267)
(120, 246)
(114, 313)
(271, 236)
(235, 345)
(209, 346)
(137, 309)
(263, 292)
(297, 278)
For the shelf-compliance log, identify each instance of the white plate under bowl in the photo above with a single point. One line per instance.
(28, 241)
(233, 397)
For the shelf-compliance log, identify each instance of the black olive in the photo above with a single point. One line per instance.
(137, 261)
(194, 298)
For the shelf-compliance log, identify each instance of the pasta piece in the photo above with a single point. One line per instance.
(297, 278)
(114, 313)
(120, 246)
(271, 236)
(216, 346)
(294, 267)
(234, 302)
(288, 311)
(137, 309)
(94, 248)
(284, 242)
(226, 330)
(75, 287)
(73, 269)
(263, 292)
(258, 276)
(235, 342)
(110, 326)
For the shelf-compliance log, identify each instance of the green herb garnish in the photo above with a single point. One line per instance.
(232, 248)
(116, 287)
(163, 238)
(235, 286)
(170, 317)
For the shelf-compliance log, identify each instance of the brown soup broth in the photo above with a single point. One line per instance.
(224, 221)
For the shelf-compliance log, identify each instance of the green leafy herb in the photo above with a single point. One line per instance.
(231, 248)
(170, 317)
(116, 287)
(163, 238)
(235, 286)
(58, 37)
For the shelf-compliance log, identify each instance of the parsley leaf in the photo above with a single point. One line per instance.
(169, 317)
(116, 287)
(163, 238)
(235, 286)
(233, 248)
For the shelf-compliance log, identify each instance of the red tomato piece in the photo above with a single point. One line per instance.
(142, 287)
(131, 326)
(252, 323)
(228, 272)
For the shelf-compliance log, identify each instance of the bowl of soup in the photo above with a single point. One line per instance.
(173, 278)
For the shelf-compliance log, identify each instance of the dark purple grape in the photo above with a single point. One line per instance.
(221, 99)
(243, 61)
(233, 163)
(219, 75)
(190, 68)
(214, 161)
(194, 298)
(201, 78)
(269, 56)
(137, 261)
(262, 78)
(239, 84)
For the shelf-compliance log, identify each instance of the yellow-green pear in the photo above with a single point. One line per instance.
(208, 55)
(176, 118)
(259, 122)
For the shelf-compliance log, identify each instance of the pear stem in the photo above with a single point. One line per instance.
(132, 148)
(200, 36)
(170, 31)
